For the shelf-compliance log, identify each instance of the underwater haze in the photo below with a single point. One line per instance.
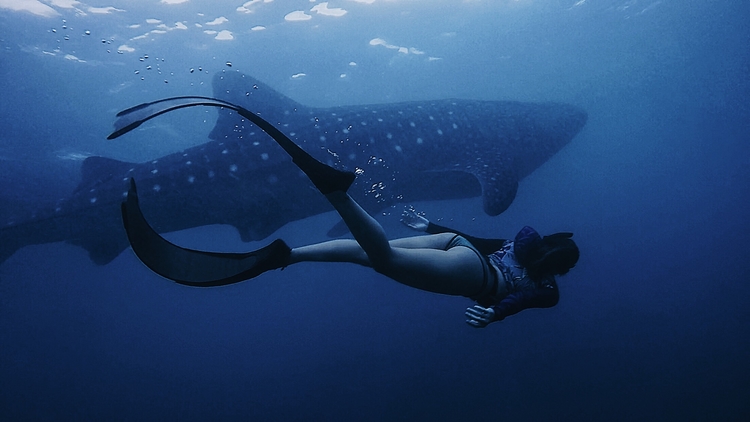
(652, 323)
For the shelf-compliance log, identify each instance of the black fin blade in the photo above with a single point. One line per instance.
(181, 265)
(133, 117)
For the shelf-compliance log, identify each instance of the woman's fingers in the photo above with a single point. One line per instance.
(479, 316)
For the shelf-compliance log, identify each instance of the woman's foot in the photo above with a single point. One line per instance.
(273, 256)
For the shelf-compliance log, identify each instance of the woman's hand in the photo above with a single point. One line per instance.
(479, 317)
(414, 219)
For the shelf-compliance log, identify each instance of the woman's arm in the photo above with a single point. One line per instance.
(543, 297)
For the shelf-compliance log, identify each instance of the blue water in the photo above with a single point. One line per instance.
(651, 325)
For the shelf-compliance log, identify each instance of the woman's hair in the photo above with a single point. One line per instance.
(556, 254)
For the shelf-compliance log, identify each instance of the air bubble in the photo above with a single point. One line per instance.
(229, 64)
(87, 32)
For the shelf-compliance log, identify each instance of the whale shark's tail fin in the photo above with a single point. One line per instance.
(9, 243)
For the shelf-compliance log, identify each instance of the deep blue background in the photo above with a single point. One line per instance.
(652, 323)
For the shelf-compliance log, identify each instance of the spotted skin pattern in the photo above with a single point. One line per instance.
(422, 150)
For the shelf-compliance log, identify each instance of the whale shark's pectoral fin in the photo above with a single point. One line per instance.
(192, 267)
(499, 186)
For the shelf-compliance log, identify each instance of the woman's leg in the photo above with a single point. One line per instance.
(348, 250)
(456, 271)
(421, 262)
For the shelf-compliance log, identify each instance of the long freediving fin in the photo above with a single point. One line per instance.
(192, 267)
(200, 268)
(135, 116)
(327, 179)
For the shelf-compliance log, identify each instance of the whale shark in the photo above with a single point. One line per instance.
(401, 152)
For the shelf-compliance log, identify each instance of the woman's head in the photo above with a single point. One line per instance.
(544, 256)
(556, 255)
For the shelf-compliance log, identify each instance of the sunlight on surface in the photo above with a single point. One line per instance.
(323, 9)
(104, 10)
(297, 16)
(32, 6)
(245, 8)
(218, 21)
(224, 35)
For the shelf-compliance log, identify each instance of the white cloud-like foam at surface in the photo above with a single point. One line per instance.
(400, 49)
(322, 9)
(245, 8)
(104, 10)
(73, 58)
(218, 21)
(64, 4)
(224, 35)
(174, 1)
(32, 6)
(297, 16)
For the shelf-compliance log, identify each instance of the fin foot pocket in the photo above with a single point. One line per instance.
(326, 178)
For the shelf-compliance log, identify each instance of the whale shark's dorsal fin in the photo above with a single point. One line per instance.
(254, 95)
